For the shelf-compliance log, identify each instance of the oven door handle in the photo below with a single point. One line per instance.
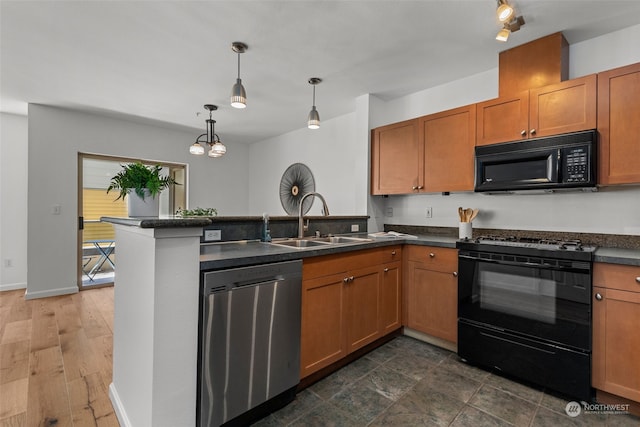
(545, 266)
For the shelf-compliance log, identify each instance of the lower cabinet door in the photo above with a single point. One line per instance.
(616, 342)
(433, 302)
(362, 301)
(323, 330)
(391, 297)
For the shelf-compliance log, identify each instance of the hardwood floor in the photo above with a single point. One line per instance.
(56, 359)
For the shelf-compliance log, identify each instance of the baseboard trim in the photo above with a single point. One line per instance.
(121, 414)
(13, 286)
(50, 292)
(430, 339)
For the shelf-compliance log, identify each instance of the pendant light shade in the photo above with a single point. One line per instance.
(238, 94)
(313, 121)
(212, 139)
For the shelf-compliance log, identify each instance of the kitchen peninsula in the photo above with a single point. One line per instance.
(156, 300)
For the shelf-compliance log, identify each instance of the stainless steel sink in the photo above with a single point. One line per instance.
(308, 242)
(300, 243)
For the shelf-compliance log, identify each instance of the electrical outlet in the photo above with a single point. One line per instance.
(355, 228)
(429, 212)
(212, 235)
(389, 211)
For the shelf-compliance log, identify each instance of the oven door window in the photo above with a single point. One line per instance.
(550, 304)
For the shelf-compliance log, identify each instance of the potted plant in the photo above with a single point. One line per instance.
(142, 184)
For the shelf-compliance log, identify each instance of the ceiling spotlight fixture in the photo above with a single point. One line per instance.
(509, 27)
(504, 11)
(313, 122)
(238, 95)
(217, 148)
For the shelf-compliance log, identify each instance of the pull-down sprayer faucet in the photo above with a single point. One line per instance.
(325, 209)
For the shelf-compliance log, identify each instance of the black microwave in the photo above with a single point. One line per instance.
(557, 162)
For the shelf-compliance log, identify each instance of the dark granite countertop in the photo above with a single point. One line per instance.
(618, 256)
(159, 222)
(237, 254)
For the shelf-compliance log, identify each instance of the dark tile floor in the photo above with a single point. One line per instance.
(410, 383)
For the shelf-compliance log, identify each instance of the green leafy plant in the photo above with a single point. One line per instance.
(138, 177)
(198, 212)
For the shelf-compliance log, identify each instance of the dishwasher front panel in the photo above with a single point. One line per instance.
(250, 338)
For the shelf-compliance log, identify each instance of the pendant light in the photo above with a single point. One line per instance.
(238, 94)
(217, 148)
(313, 122)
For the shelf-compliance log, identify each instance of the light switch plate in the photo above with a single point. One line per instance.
(355, 228)
(212, 235)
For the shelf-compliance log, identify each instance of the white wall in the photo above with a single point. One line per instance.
(612, 210)
(13, 201)
(55, 138)
(336, 157)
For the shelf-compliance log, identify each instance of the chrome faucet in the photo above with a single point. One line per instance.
(301, 226)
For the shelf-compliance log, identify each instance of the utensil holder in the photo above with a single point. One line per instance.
(465, 230)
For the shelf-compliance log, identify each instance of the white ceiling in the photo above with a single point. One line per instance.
(163, 60)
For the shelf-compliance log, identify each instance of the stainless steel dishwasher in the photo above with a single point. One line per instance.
(249, 349)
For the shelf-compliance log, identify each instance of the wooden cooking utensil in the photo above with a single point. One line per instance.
(474, 214)
(467, 214)
(461, 214)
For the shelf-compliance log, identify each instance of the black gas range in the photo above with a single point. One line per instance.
(524, 309)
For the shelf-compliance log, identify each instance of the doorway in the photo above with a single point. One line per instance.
(96, 240)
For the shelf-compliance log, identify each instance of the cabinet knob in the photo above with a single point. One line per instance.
(455, 274)
(420, 187)
(345, 280)
(638, 279)
(386, 270)
(351, 278)
(523, 132)
(394, 252)
(532, 131)
(432, 255)
(599, 297)
(415, 187)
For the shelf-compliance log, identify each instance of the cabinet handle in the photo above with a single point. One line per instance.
(414, 187)
(394, 252)
(638, 279)
(532, 131)
(523, 132)
(432, 255)
(599, 297)
(386, 270)
(455, 274)
(420, 187)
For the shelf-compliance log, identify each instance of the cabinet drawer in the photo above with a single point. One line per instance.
(615, 276)
(435, 258)
(390, 254)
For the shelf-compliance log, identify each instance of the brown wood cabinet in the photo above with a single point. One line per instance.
(431, 295)
(619, 125)
(396, 159)
(569, 106)
(616, 342)
(449, 139)
(348, 301)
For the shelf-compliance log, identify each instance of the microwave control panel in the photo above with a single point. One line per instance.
(575, 164)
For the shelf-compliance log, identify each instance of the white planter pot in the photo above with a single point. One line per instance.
(137, 207)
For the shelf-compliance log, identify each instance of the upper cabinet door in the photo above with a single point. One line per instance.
(503, 119)
(396, 159)
(619, 125)
(565, 107)
(449, 141)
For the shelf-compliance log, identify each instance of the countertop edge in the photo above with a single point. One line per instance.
(153, 222)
